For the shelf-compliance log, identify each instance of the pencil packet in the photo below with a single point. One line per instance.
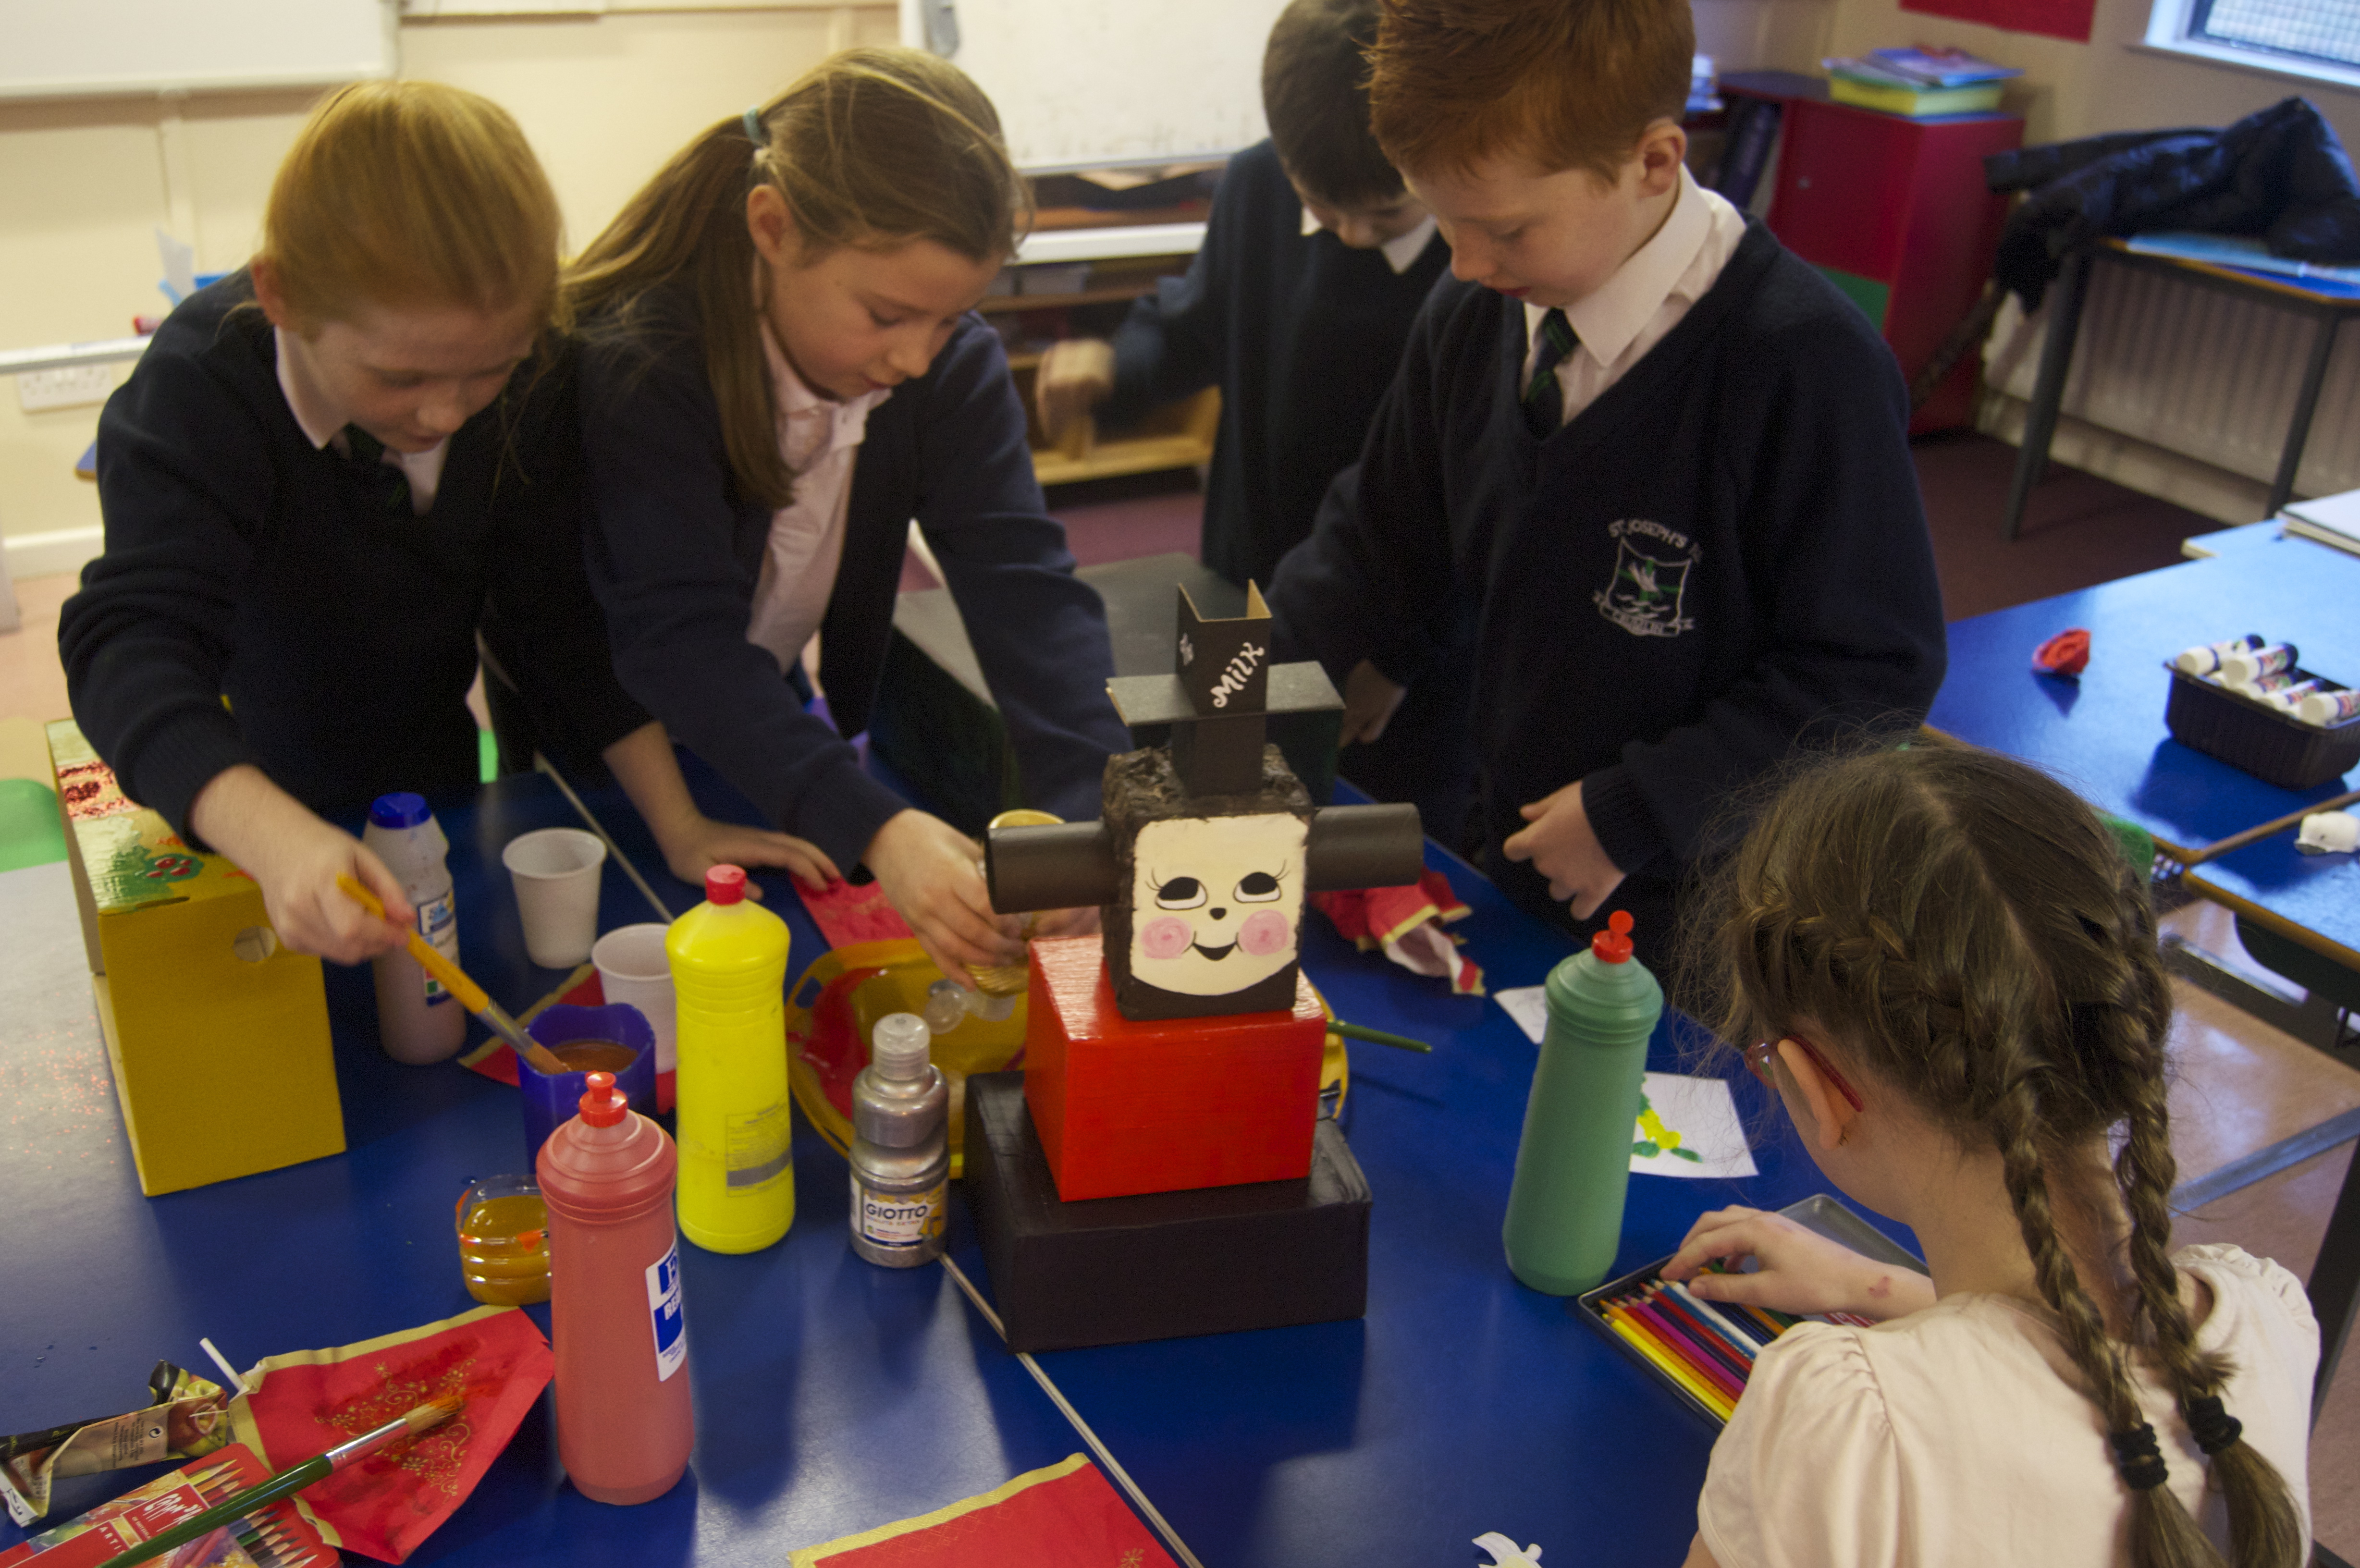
(1703, 1351)
(184, 1419)
(273, 1536)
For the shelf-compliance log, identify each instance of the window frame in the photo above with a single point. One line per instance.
(2171, 31)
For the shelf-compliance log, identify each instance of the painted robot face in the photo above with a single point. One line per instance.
(1216, 901)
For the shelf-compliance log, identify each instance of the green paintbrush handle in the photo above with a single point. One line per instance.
(219, 1514)
(1376, 1037)
(293, 1479)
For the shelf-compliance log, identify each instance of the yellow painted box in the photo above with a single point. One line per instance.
(218, 1036)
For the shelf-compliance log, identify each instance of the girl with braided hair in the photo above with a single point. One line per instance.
(1954, 977)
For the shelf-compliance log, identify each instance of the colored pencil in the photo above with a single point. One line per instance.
(1699, 1360)
(1671, 1340)
(1705, 1309)
(1665, 1362)
(1699, 1346)
(1738, 1361)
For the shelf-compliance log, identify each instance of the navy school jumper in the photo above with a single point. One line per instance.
(677, 551)
(1723, 555)
(244, 564)
(1300, 331)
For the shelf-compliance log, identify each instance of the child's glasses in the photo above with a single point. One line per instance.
(1759, 1055)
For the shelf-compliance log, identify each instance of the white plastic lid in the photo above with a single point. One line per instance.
(898, 1046)
(946, 1006)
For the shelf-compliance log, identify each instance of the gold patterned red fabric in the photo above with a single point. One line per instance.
(494, 1359)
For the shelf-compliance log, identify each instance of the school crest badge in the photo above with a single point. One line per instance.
(1651, 578)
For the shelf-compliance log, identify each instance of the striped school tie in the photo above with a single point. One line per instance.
(382, 482)
(1544, 397)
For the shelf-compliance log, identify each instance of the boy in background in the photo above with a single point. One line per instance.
(1661, 462)
(1314, 264)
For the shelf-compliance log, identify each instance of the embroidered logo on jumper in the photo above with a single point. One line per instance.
(1651, 577)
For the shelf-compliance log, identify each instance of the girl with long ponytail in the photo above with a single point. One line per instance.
(1953, 978)
(781, 369)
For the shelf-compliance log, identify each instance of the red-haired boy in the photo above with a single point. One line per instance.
(1663, 461)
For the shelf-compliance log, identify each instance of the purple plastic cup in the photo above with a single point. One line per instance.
(551, 1100)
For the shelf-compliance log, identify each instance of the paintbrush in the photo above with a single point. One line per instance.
(471, 995)
(286, 1483)
(1375, 1037)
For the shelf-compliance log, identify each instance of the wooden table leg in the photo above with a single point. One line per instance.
(2065, 297)
(2314, 375)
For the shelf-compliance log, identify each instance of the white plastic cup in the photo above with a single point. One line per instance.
(556, 876)
(634, 968)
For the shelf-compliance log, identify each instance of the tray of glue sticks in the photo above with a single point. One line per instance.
(1701, 1351)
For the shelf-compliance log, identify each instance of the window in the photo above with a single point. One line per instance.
(2325, 30)
(2318, 40)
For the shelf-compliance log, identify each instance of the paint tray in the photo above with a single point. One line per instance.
(1819, 1212)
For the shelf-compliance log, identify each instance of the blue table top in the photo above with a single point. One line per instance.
(2104, 732)
(832, 1396)
(2317, 895)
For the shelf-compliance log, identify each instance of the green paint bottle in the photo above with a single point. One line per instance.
(1573, 1166)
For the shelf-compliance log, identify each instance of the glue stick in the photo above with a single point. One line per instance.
(2207, 659)
(2246, 666)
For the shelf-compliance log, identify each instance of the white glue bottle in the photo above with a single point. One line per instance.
(417, 1020)
(900, 1148)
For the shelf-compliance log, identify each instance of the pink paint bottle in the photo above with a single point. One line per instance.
(624, 1424)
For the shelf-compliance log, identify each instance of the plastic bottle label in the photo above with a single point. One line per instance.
(438, 922)
(899, 1219)
(757, 1147)
(664, 1309)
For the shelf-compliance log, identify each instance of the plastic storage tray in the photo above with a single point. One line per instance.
(1819, 1212)
(2266, 742)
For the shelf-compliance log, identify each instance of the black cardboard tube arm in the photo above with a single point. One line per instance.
(1364, 846)
(1072, 865)
(1068, 866)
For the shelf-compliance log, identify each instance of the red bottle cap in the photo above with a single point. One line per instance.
(725, 885)
(1612, 945)
(601, 1106)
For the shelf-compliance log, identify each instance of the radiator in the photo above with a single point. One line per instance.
(2195, 372)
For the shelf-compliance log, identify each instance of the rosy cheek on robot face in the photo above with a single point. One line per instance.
(1165, 937)
(1265, 933)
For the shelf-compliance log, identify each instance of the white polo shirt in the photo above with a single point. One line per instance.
(820, 439)
(322, 424)
(1645, 298)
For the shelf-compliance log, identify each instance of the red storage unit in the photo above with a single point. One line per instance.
(1896, 212)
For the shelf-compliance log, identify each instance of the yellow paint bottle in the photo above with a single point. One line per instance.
(728, 974)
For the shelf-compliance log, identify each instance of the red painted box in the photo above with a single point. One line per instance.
(1123, 1107)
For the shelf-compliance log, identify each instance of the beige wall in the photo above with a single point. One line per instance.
(84, 185)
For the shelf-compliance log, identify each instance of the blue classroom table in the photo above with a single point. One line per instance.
(834, 1397)
(831, 1397)
(2103, 732)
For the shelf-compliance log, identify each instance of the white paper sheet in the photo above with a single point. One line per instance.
(1695, 1131)
(1528, 1008)
(1688, 1127)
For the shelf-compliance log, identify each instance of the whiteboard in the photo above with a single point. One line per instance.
(1082, 82)
(58, 49)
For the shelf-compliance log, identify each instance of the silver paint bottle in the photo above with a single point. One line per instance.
(901, 1150)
